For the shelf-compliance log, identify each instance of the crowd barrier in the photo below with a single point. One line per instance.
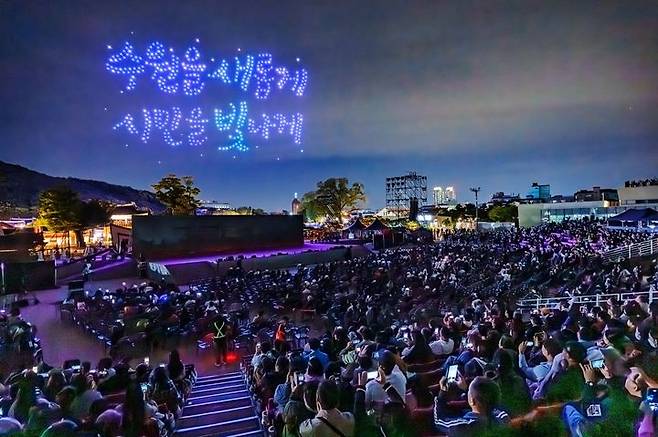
(635, 250)
(592, 299)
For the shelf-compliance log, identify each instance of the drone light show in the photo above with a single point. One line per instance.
(182, 80)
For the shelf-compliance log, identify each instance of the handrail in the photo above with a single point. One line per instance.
(554, 302)
(634, 250)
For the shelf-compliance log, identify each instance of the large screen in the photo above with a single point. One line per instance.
(158, 237)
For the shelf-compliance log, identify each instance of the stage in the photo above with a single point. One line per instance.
(307, 247)
(182, 271)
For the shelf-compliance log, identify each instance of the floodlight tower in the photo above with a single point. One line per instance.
(476, 190)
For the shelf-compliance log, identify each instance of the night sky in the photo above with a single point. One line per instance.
(488, 93)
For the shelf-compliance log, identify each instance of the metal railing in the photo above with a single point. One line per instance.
(592, 299)
(635, 250)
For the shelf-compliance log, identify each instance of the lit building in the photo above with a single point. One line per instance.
(539, 192)
(296, 206)
(212, 207)
(596, 193)
(642, 194)
(638, 192)
(445, 196)
(362, 213)
(122, 215)
(500, 198)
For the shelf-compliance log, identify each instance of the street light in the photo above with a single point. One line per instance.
(476, 190)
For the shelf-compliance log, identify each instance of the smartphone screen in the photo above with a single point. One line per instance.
(597, 364)
(651, 398)
(372, 375)
(144, 387)
(147, 360)
(35, 369)
(76, 368)
(300, 378)
(530, 343)
(452, 373)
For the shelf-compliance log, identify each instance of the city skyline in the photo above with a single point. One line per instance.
(497, 96)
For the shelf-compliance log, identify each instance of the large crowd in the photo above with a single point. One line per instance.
(76, 399)
(421, 339)
(429, 339)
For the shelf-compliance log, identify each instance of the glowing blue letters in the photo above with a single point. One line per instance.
(193, 129)
(189, 73)
(224, 126)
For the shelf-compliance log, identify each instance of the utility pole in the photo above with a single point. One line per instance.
(476, 190)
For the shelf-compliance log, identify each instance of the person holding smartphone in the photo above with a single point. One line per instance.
(603, 407)
(549, 350)
(329, 420)
(444, 345)
(375, 392)
(483, 395)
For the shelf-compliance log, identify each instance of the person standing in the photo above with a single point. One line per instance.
(86, 271)
(220, 339)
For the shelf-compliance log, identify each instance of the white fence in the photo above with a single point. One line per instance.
(554, 302)
(635, 250)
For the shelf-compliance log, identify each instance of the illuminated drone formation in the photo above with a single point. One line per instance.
(190, 76)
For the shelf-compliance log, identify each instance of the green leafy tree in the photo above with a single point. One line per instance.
(179, 195)
(504, 213)
(333, 198)
(59, 209)
(310, 207)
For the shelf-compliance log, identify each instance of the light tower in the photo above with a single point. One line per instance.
(476, 190)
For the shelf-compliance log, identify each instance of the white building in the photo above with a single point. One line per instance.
(444, 196)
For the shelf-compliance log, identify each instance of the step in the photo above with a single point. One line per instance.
(255, 433)
(217, 416)
(226, 428)
(232, 379)
(204, 407)
(202, 399)
(217, 388)
(218, 375)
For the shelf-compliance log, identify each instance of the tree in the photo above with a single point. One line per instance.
(333, 198)
(179, 195)
(61, 210)
(504, 213)
(310, 208)
(90, 214)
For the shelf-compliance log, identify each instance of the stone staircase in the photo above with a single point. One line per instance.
(219, 406)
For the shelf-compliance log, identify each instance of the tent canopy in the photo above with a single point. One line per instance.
(636, 215)
(377, 225)
(357, 225)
